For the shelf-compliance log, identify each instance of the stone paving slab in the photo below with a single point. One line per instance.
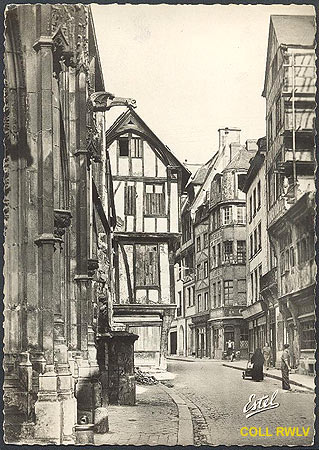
(152, 421)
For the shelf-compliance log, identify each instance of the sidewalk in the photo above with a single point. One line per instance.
(296, 379)
(191, 359)
(154, 420)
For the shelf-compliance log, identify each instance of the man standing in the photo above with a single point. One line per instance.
(267, 355)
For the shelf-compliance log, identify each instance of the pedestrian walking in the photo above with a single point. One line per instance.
(267, 355)
(258, 364)
(285, 368)
(230, 347)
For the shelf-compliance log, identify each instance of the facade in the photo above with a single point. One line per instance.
(59, 215)
(259, 314)
(227, 217)
(290, 109)
(181, 337)
(214, 246)
(148, 183)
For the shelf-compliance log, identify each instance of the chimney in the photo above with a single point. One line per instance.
(227, 136)
(251, 145)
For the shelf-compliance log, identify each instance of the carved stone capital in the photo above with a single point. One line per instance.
(93, 265)
(62, 220)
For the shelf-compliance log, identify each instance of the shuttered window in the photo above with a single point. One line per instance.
(136, 148)
(129, 201)
(147, 265)
(154, 200)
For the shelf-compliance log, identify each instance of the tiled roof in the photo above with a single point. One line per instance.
(241, 159)
(294, 30)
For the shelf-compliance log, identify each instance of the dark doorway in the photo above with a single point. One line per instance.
(173, 349)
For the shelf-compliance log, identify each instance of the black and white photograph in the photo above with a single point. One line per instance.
(159, 209)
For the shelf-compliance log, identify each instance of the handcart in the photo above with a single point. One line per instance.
(248, 372)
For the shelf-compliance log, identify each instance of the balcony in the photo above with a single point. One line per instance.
(269, 286)
(226, 311)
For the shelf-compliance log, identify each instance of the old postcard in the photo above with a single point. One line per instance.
(159, 210)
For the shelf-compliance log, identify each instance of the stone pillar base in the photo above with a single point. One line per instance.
(101, 420)
(48, 411)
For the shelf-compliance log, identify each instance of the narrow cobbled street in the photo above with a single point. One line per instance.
(216, 396)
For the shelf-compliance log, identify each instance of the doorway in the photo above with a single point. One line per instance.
(173, 336)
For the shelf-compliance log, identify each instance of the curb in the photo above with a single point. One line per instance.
(276, 377)
(185, 434)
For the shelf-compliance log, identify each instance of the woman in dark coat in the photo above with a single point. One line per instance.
(285, 367)
(258, 363)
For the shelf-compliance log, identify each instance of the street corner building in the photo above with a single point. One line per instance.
(245, 269)
(148, 182)
(64, 361)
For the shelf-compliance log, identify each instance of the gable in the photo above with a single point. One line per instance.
(130, 122)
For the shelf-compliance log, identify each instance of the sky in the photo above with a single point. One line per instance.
(192, 69)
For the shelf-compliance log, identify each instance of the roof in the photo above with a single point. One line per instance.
(201, 174)
(129, 120)
(294, 30)
(290, 30)
(241, 159)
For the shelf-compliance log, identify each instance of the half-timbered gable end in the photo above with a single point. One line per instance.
(148, 181)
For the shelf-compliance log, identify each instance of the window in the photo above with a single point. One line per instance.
(199, 272)
(278, 114)
(252, 286)
(250, 208)
(258, 195)
(206, 301)
(218, 254)
(251, 238)
(292, 257)
(241, 286)
(228, 292)
(186, 228)
(254, 202)
(228, 251)
(302, 249)
(269, 126)
(308, 340)
(241, 252)
(205, 240)
(198, 246)
(136, 148)
(154, 200)
(227, 215)
(179, 304)
(129, 200)
(241, 214)
(219, 294)
(205, 269)
(259, 236)
(199, 302)
(214, 262)
(259, 274)
(214, 295)
(123, 143)
(147, 265)
(255, 240)
(256, 285)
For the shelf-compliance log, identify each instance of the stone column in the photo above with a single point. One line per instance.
(47, 407)
(168, 316)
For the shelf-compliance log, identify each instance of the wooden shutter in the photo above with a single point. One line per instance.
(147, 270)
(129, 200)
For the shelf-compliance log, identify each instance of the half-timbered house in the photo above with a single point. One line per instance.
(148, 181)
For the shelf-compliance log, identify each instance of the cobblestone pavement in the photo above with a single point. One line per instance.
(220, 394)
(152, 421)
